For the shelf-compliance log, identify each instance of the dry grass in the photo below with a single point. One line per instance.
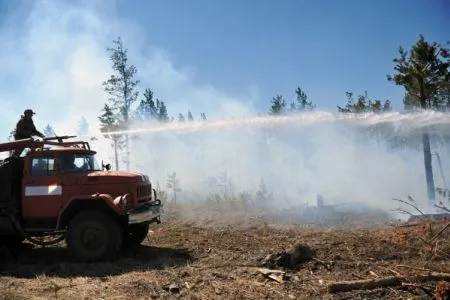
(222, 261)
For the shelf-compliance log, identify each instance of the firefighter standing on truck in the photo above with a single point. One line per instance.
(25, 129)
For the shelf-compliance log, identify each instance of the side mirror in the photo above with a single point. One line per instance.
(107, 166)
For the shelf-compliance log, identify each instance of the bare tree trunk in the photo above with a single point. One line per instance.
(428, 168)
(115, 154)
(427, 152)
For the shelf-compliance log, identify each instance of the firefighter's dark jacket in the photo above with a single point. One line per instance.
(25, 129)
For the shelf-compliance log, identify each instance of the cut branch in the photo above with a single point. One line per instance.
(412, 204)
(345, 286)
(442, 207)
(440, 232)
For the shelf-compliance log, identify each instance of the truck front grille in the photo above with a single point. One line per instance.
(144, 193)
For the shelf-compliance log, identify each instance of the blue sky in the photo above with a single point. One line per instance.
(326, 47)
(208, 51)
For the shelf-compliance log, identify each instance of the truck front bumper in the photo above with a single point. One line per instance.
(147, 213)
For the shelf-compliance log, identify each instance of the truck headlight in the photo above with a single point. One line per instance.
(122, 201)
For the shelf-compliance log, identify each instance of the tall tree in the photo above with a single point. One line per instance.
(121, 87)
(424, 73)
(203, 116)
(181, 118)
(278, 105)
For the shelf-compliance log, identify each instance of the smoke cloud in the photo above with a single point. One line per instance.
(54, 60)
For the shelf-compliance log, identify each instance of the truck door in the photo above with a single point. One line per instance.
(42, 190)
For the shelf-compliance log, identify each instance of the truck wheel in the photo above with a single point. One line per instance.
(93, 236)
(136, 234)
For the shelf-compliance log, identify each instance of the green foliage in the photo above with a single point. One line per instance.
(108, 124)
(121, 86)
(278, 105)
(424, 73)
(302, 101)
(146, 110)
(161, 109)
(364, 105)
(122, 89)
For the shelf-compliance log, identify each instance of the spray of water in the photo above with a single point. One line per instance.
(296, 156)
(410, 120)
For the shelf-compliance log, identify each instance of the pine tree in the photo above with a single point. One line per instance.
(302, 101)
(121, 88)
(146, 110)
(424, 73)
(162, 112)
(278, 105)
(181, 118)
(363, 104)
(203, 116)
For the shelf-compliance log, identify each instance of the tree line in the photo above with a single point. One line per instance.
(423, 72)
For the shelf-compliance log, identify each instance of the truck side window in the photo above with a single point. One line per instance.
(42, 166)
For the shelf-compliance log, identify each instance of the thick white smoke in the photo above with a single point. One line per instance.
(54, 60)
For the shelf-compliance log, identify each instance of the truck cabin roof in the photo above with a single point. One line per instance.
(65, 150)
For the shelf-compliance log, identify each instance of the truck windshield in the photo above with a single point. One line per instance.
(71, 162)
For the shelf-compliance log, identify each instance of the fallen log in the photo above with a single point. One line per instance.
(367, 284)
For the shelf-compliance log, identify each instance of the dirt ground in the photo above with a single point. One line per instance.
(237, 260)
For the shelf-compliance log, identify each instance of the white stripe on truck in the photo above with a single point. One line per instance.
(43, 190)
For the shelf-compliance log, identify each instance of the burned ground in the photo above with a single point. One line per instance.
(250, 258)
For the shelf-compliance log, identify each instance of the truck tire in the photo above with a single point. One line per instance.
(94, 236)
(136, 234)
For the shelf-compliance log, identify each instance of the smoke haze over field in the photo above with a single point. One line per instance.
(54, 60)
